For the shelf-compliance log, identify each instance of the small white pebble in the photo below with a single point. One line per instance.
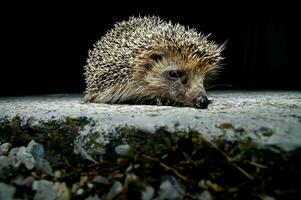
(80, 191)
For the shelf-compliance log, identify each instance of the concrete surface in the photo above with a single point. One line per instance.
(268, 117)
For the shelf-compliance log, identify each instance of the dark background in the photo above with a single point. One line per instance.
(44, 47)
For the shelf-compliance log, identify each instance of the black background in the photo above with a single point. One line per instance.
(44, 46)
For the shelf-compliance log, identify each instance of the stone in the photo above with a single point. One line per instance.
(4, 162)
(62, 191)
(21, 181)
(205, 195)
(76, 187)
(43, 165)
(122, 150)
(4, 148)
(148, 193)
(35, 149)
(170, 189)
(19, 155)
(7, 192)
(47, 190)
(101, 180)
(115, 190)
(31, 156)
(267, 117)
(57, 174)
(95, 197)
(130, 177)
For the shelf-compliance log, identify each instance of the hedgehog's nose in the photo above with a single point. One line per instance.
(201, 102)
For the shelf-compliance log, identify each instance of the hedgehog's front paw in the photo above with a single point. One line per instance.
(163, 102)
(159, 102)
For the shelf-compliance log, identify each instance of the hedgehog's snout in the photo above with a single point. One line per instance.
(201, 102)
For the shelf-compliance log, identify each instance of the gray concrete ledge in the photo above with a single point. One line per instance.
(268, 117)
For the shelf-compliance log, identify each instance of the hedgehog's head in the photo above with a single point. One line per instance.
(178, 75)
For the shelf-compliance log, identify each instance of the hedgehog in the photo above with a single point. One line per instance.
(146, 60)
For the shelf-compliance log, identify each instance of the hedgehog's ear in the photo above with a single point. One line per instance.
(153, 59)
(156, 57)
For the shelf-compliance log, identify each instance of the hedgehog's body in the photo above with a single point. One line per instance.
(147, 59)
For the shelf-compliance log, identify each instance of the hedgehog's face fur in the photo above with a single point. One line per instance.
(177, 78)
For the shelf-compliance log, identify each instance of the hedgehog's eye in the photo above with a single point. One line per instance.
(156, 57)
(176, 74)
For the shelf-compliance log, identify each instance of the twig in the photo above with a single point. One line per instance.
(166, 167)
(258, 165)
(229, 159)
(243, 171)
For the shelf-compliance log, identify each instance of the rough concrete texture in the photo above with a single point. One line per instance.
(268, 117)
